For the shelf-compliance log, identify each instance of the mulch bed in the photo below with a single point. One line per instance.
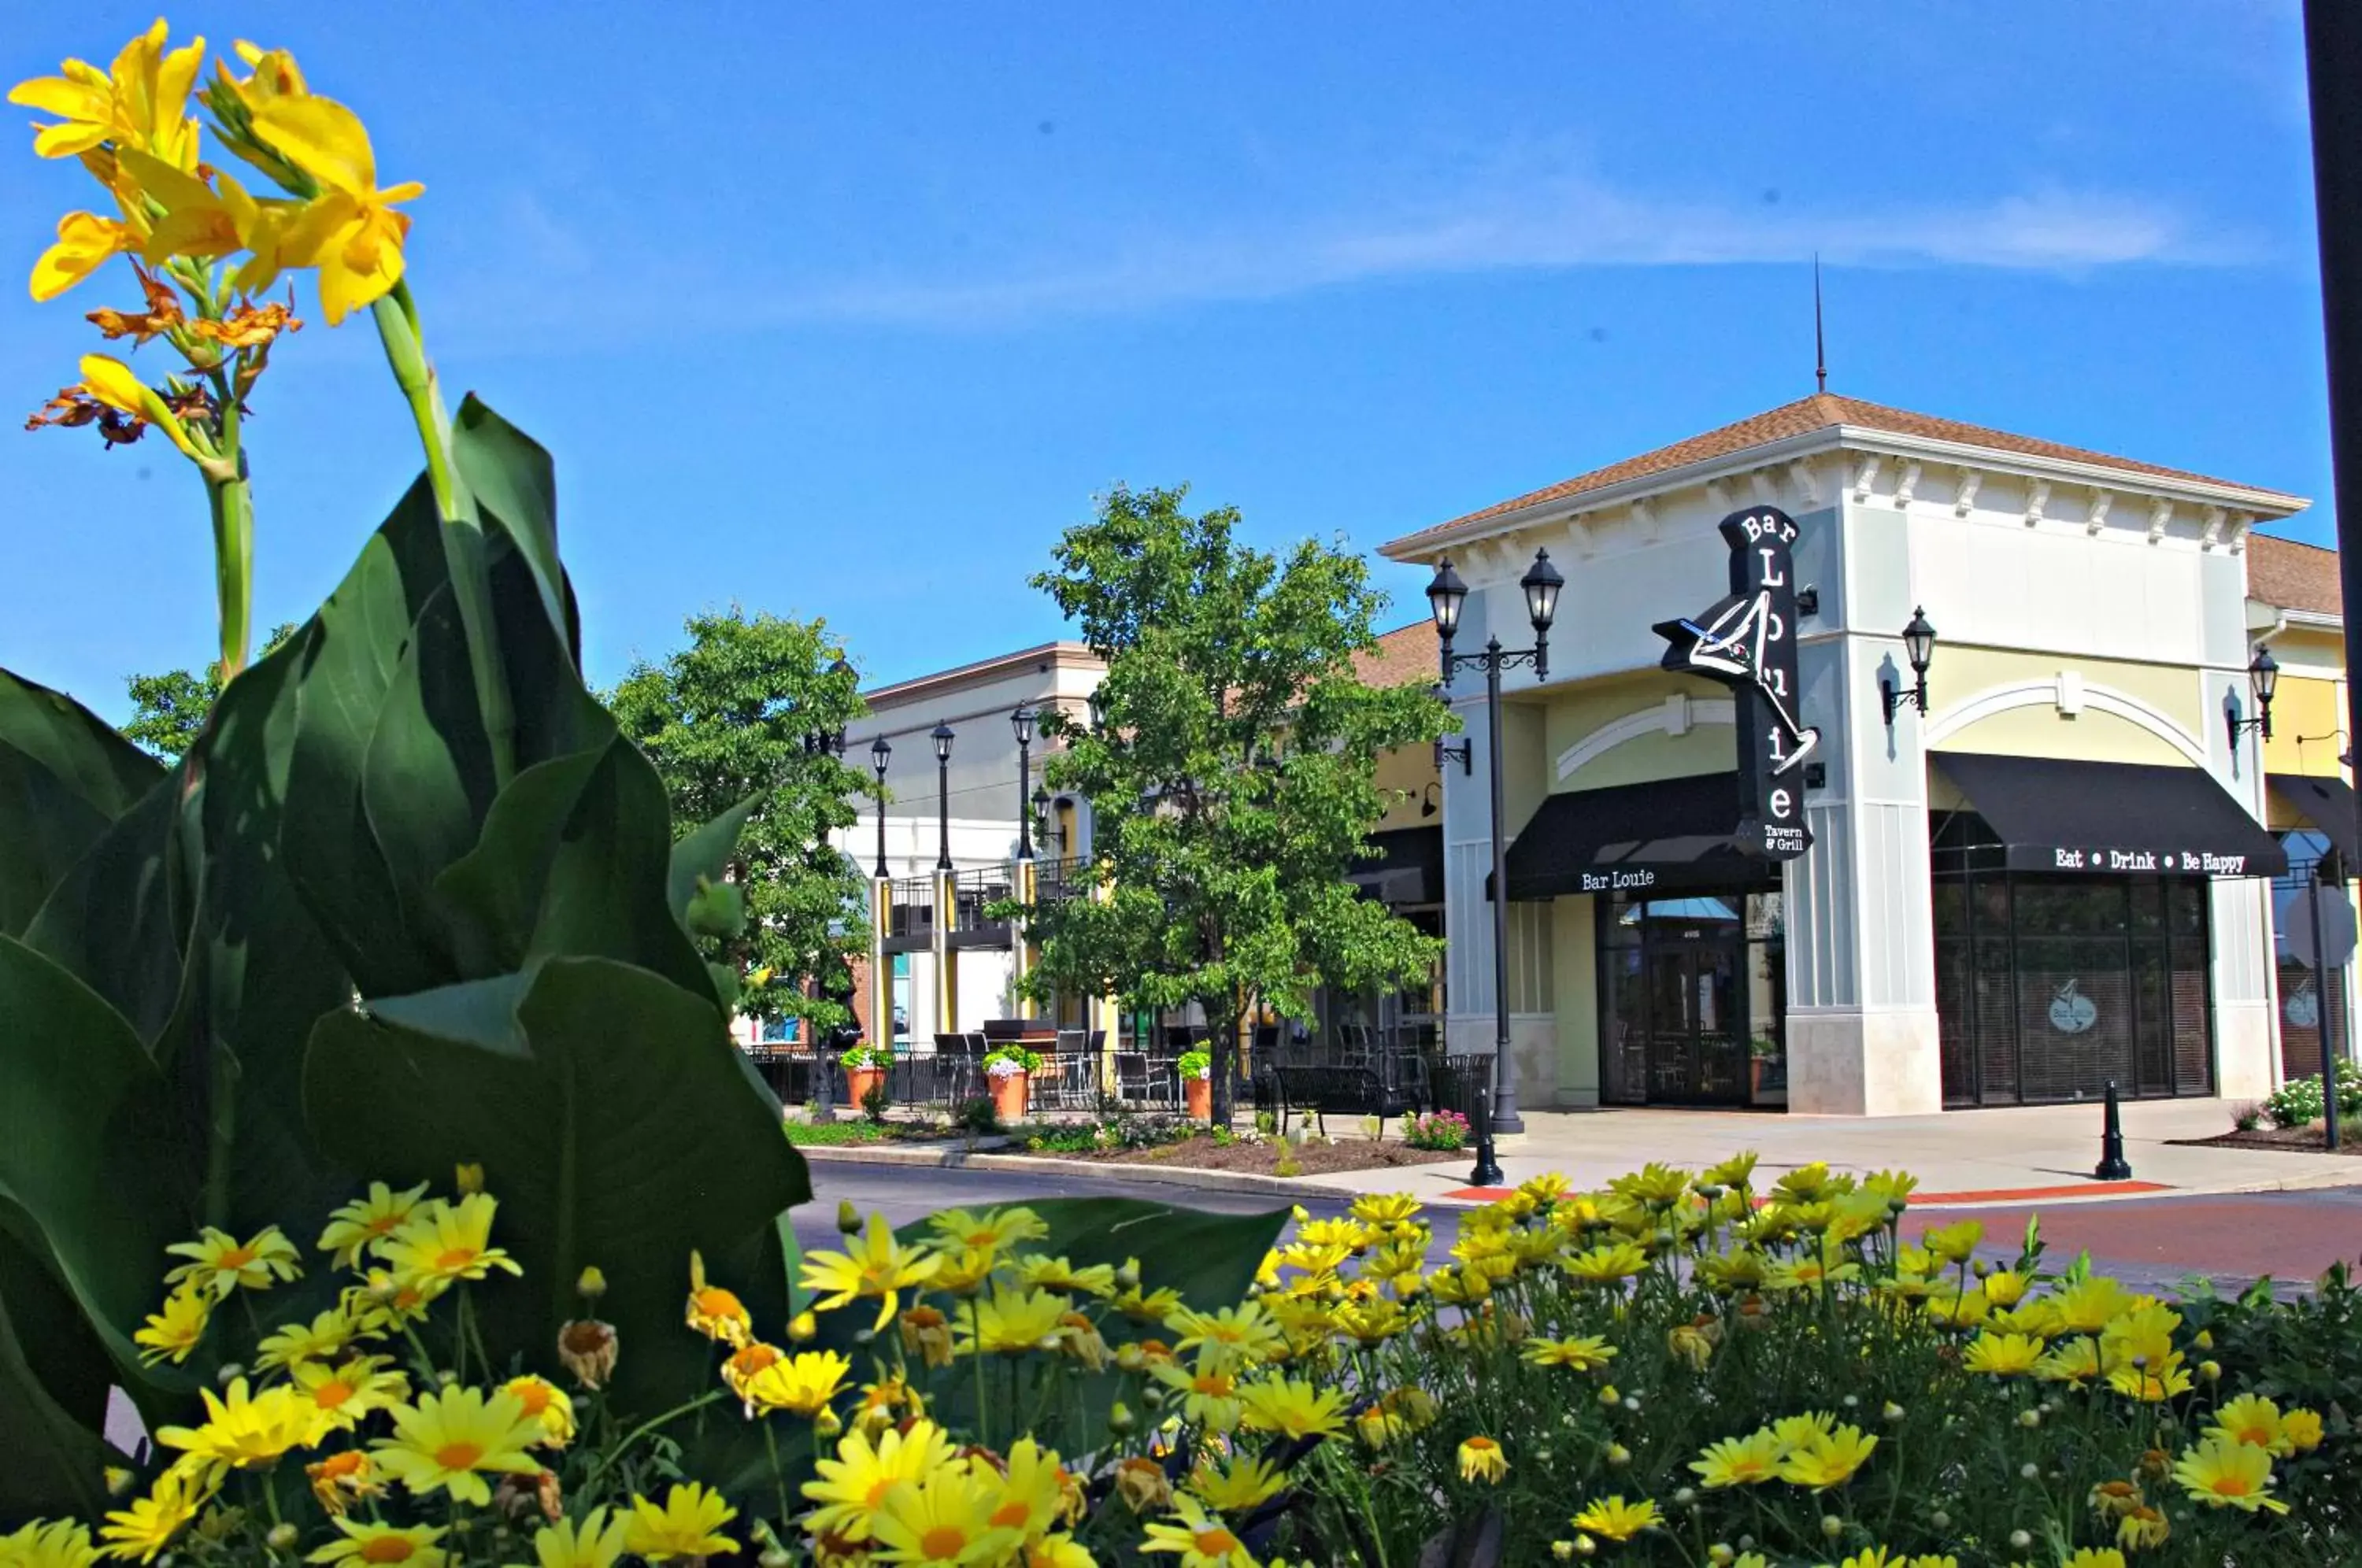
(2290, 1139)
(1201, 1152)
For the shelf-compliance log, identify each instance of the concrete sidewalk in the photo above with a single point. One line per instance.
(2041, 1153)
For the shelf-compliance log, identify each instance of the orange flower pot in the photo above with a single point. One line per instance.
(1008, 1096)
(859, 1081)
(1197, 1095)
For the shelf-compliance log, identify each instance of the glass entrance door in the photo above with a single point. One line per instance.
(1696, 1055)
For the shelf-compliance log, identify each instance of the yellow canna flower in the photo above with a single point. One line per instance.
(139, 102)
(86, 242)
(274, 75)
(350, 231)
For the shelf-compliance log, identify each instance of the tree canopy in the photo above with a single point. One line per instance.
(169, 711)
(1233, 778)
(729, 717)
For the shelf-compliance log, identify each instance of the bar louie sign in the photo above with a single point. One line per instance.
(1748, 642)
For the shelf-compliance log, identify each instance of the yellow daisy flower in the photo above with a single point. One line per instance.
(596, 1542)
(1032, 1487)
(1588, 1352)
(1747, 1460)
(1009, 1322)
(547, 1403)
(446, 1242)
(1605, 1264)
(2143, 1530)
(716, 1313)
(1209, 1393)
(1481, 1459)
(2091, 1304)
(170, 1334)
(2253, 1420)
(141, 1531)
(347, 1392)
(2228, 1476)
(1198, 1539)
(945, 1518)
(1292, 1407)
(319, 1340)
(219, 1263)
(1240, 1483)
(688, 1525)
(852, 1486)
(1615, 1519)
(384, 1546)
(877, 1268)
(801, 1385)
(1245, 1332)
(1386, 1209)
(1057, 1273)
(246, 1429)
(1954, 1244)
(367, 1221)
(1828, 1460)
(2001, 1355)
(2301, 1428)
(343, 1479)
(448, 1440)
(49, 1543)
(2095, 1557)
(961, 1229)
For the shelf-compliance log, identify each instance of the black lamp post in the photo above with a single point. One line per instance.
(1096, 703)
(1919, 647)
(943, 739)
(1445, 595)
(2264, 677)
(880, 750)
(1021, 722)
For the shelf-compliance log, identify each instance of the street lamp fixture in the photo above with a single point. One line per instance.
(1463, 751)
(1041, 815)
(1919, 647)
(2264, 679)
(1445, 595)
(880, 751)
(1096, 703)
(1021, 722)
(942, 738)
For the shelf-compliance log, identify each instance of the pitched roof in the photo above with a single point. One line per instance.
(1403, 655)
(2290, 575)
(1821, 410)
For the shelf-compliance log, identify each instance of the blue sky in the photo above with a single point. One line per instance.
(848, 311)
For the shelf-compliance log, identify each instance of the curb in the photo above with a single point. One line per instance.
(1290, 1187)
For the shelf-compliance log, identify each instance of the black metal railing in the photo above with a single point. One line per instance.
(910, 912)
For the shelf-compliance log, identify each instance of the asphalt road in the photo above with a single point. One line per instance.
(2151, 1243)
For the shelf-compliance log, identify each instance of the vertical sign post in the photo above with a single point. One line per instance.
(1748, 642)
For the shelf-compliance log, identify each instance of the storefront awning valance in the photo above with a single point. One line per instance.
(2327, 804)
(1407, 868)
(2048, 814)
(1668, 834)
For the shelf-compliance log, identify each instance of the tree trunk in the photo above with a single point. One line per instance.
(1223, 1046)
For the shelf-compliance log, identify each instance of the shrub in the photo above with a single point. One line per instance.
(2297, 1102)
(1436, 1130)
(875, 1101)
(1008, 1061)
(2248, 1116)
(975, 1117)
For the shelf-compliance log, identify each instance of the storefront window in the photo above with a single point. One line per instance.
(2049, 987)
(2313, 996)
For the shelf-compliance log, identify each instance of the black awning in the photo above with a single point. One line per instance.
(1405, 867)
(2328, 804)
(2053, 815)
(1668, 834)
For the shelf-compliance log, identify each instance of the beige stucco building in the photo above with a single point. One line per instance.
(2058, 875)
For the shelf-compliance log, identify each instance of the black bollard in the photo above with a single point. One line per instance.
(1489, 1169)
(2111, 1166)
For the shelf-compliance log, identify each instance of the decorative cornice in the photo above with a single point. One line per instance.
(2096, 517)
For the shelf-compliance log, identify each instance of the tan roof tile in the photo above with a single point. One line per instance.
(1818, 412)
(1405, 655)
(2290, 576)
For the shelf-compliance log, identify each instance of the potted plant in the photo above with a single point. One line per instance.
(1197, 1068)
(865, 1070)
(1766, 1068)
(1011, 1069)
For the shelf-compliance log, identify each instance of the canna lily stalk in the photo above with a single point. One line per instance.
(205, 248)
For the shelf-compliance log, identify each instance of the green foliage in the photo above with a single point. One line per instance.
(1440, 1131)
(335, 938)
(169, 711)
(977, 1117)
(728, 719)
(1235, 778)
(1018, 1056)
(2298, 1102)
(1196, 1063)
(864, 1058)
(875, 1101)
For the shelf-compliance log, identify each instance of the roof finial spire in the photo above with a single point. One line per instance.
(1820, 353)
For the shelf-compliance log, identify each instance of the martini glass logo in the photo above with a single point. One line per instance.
(2072, 1013)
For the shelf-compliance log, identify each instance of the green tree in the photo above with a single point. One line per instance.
(731, 717)
(1234, 776)
(169, 711)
